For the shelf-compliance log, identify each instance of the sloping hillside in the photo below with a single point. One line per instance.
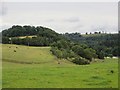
(28, 55)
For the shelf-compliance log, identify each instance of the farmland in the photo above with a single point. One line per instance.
(36, 67)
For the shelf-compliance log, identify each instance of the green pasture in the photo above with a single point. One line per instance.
(36, 67)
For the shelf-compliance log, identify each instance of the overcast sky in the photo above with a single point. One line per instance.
(62, 16)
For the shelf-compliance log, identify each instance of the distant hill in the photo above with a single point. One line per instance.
(17, 30)
(30, 35)
(100, 42)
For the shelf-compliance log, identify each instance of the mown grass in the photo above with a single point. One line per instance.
(21, 37)
(53, 75)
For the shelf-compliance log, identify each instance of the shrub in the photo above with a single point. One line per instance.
(80, 61)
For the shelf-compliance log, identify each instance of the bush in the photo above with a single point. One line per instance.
(110, 55)
(80, 61)
(101, 55)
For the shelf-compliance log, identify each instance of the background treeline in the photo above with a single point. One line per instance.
(77, 48)
(104, 44)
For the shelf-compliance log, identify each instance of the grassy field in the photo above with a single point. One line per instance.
(92, 35)
(22, 37)
(36, 67)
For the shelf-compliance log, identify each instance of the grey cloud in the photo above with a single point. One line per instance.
(78, 26)
(72, 19)
(61, 17)
(3, 10)
(50, 20)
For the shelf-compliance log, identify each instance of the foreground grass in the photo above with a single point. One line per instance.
(53, 75)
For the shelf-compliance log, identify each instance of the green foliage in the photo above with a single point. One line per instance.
(5, 40)
(58, 53)
(101, 55)
(80, 61)
(84, 52)
(115, 51)
(17, 30)
(88, 54)
(45, 36)
(69, 50)
(110, 55)
(103, 44)
(62, 53)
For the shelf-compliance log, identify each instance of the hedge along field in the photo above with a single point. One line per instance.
(47, 73)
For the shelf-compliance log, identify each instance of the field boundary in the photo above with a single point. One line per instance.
(23, 62)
